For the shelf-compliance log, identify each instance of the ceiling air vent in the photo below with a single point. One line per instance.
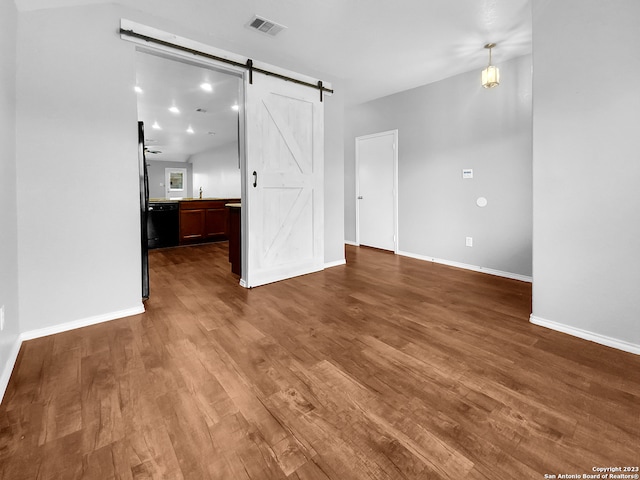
(265, 26)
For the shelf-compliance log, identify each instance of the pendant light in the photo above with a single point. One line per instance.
(491, 74)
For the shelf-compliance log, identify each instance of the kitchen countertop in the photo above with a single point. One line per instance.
(186, 199)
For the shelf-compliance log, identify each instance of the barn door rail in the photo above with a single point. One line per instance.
(248, 65)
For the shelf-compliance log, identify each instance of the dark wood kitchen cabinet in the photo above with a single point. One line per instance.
(215, 221)
(203, 221)
(191, 225)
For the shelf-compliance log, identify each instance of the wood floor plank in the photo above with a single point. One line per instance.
(384, 368)
(423, 444)
(150, 453)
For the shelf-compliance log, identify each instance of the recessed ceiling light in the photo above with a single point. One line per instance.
(190, 130)
(174, 109)
(207, 87)
(156, 126)
(235, 107)
(137, 89)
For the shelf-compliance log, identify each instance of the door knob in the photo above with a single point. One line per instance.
(359, 197)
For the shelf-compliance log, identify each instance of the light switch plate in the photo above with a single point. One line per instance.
(469, 241)
(467, 173)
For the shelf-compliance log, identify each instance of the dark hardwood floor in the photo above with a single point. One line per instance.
(386, 368)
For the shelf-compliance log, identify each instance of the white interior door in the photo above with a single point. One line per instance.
(176, 182)
(376, 207)
(284, 175)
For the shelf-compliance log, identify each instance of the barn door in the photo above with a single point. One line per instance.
(285, 175)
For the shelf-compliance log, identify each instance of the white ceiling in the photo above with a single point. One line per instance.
(376, 47)
(166, 83)
(368, 48)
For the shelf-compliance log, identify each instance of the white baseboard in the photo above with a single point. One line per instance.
(587, 335)
(83, 322)
(335, 264)
(8, 367)
(62, 327)
(466, 266)
(349, 242)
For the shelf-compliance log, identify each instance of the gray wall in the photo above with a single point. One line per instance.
(444, 127)
(156, 175)
(217, 171)
(586, 163)
(8, 210)
(79, 253)
(79, 250)
(334, 175)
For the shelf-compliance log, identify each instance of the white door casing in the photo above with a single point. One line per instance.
(285, 208)
(376, 190)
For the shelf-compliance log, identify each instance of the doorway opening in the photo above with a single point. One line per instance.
(190, 150)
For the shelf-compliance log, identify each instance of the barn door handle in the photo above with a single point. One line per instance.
(255, 179)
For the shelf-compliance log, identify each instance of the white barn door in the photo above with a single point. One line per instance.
(285, 180)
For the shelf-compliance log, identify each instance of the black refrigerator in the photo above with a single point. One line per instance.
(144, 203)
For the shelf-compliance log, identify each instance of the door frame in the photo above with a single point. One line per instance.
(396, 240)
(172, 54)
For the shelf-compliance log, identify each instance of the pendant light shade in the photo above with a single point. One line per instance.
(491, 74)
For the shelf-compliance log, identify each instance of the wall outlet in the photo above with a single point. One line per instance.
(469, 241)
(2, 318)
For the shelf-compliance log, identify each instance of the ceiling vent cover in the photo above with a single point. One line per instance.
(265, 26)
